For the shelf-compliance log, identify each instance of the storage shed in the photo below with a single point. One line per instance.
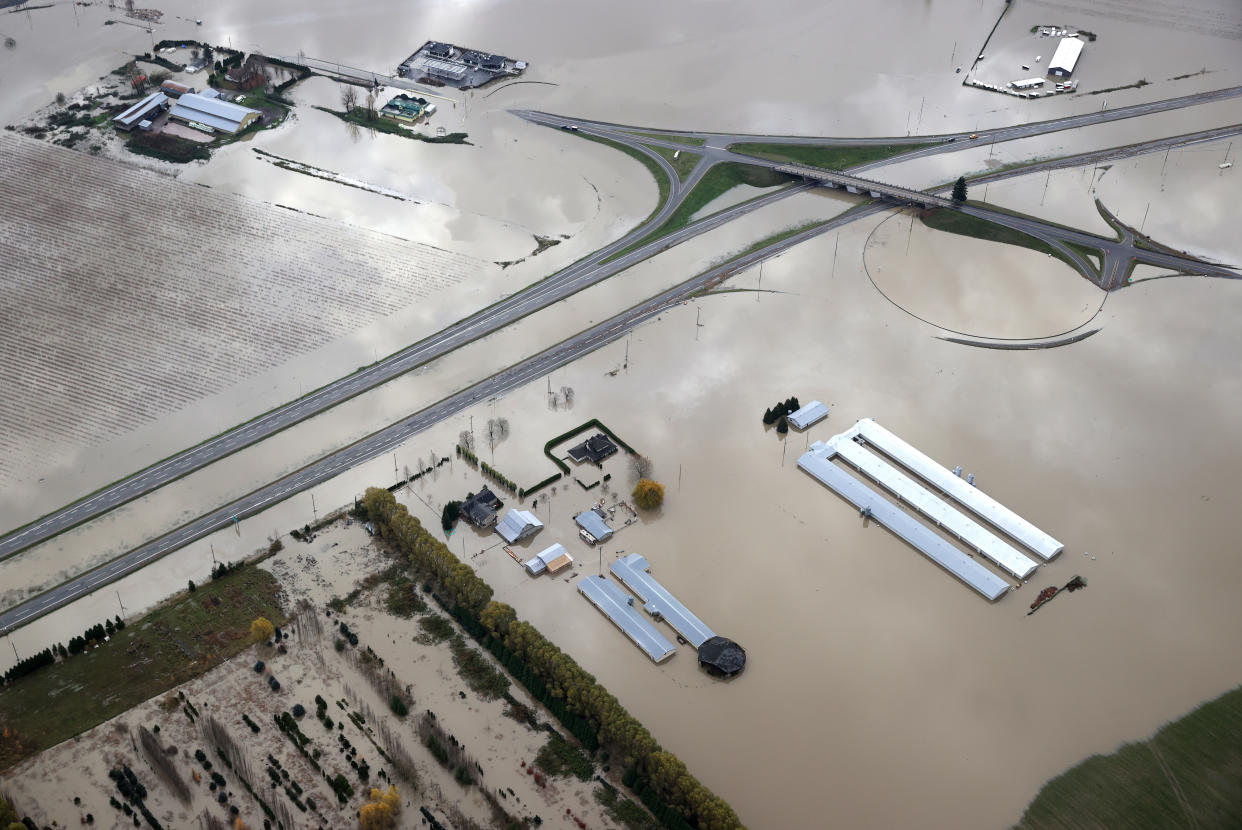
(1066, 57)
(518, 525)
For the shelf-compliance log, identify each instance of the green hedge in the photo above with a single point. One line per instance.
(594, 423)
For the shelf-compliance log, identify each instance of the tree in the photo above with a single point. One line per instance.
(959, 190)
(261, 630)
(349, 98)
(782, 426)
(640, 466)
(648, 494)
(380, 813)
(452, 511)
(193, 587)
(465, 439)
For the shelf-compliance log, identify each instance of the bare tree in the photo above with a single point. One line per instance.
(129, 6)
(163, 766)
(466, 439)
(567, 392)
(640, 466)
(370, 106)
(349, 98)
(497, 431)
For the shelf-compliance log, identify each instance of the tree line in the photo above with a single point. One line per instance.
(599, 717)
(94, 635)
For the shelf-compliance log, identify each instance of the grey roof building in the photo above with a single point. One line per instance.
(592, 521)
(141, 111)
(618, 606)
(594, 449)
(213, 112)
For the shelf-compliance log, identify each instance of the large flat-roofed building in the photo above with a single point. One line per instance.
(1065, 58)
(618, 606)
(445, 69)
(144, 110)
(632, 570)
(221, 116)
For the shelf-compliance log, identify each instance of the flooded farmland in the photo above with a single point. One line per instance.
(879, 692)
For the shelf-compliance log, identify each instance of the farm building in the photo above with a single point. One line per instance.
(144, 110)
(518, 525)
(1065, 58)
(219, 115)
(618, 606)
(593, 525)
(174, 89)
(550, 559)
(808, 415)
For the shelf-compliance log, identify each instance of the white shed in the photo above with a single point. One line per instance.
(809, 414)
(518, 525)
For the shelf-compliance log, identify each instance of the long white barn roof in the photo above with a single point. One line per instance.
(1066, 55)
(618, 606)
(632, 570)
(936, 509)
(816, 462)
(966, 494)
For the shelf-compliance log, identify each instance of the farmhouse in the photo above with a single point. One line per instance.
(594, 449)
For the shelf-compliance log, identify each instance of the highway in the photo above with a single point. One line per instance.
(580, 275)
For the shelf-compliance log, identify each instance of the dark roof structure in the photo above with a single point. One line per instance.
(480, 508)
(440, 50)
(594, 449)
(722, 656)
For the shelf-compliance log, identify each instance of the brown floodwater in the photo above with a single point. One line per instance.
(879, 691)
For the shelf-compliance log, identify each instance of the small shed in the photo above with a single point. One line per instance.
(812, 413)
(175, 89)
(550, 559)
(518, 525)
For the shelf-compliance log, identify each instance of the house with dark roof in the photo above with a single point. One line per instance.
(249, 74)
(479, 509)
(594, 449)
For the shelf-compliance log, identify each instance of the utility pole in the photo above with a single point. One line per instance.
(213, 547)
(1144, 222)
(394, 466)
(118, 602)
(760, 289)
(314, 512)
(835, 246)
(1046, 181)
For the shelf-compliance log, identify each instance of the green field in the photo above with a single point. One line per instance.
(167, 647)
(716, 181)
(1189, 774)
(680, 139)
(953, 221)
(840, 157)
(683, 164)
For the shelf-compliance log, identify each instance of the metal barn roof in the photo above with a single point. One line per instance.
(966, 494)
(139, 110)
(550, 559)
(618, 606)
(816, 462)
(518, 524)
(591, 522)
(1066, 56)
(807, 415)
(632, 570)
(213, 112)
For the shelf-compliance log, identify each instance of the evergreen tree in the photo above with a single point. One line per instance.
(959, 190)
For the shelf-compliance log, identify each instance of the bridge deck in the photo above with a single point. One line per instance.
(838, 179)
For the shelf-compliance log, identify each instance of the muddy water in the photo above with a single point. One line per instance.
(879, 693)
(968, 286)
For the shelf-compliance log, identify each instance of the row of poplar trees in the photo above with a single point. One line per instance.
(662, 772)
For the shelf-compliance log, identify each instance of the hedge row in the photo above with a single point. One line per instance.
(594, 423)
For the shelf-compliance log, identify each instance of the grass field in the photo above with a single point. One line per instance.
(952, 221)
(683, 164)
(839, 157)
(168, 646)
(716, 181)
(680, 139)
(1189, 774)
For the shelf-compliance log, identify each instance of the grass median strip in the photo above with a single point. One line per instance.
(962, 224)
(827, 156)
(683, 161)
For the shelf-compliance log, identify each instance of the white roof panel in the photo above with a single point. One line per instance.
(902, 524)
(632, 570)
(965, 494)
(936, 509)
(809, 414)
(618, 606)
(1066, 55)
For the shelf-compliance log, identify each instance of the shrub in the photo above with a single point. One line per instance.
(648, 494)
(398, 707)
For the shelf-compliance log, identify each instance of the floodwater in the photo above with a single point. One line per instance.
(879, 692)
(970, 286)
